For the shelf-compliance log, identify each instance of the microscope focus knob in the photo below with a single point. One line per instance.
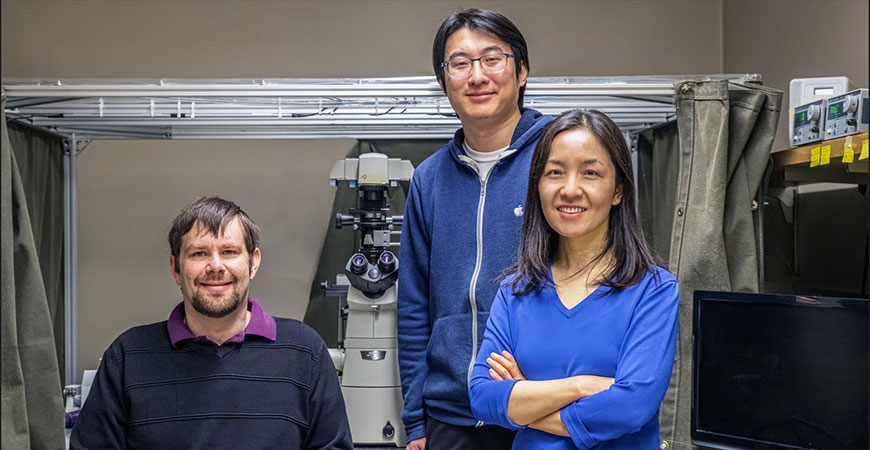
(387, 262)
(389, 430)
(358, 264)
(343, 220)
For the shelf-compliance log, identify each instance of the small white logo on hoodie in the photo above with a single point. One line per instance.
(518, 211)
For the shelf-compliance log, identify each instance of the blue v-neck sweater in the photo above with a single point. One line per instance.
(628, 335)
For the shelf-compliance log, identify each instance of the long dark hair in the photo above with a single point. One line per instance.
(489, 22)
(632, 256)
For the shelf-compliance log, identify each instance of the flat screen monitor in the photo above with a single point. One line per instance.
(780, 372)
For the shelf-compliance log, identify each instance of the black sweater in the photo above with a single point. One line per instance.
(256, 394)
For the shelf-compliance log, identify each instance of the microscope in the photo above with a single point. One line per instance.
(367, 357)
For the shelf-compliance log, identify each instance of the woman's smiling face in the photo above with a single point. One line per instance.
(578, 187)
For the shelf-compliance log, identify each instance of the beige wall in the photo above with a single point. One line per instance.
(129, 191)
(350, 38)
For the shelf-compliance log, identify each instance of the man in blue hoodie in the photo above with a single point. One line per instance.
(461, 228)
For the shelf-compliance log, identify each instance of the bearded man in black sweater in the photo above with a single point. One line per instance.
(221, 373)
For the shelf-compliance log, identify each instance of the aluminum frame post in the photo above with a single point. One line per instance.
(70, 258)
(631, 143)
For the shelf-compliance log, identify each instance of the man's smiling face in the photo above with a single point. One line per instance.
(214, 272)
(482, 96)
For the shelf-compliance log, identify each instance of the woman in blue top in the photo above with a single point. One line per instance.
(580, 342)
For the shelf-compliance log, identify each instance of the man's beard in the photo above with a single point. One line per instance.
(216, 310)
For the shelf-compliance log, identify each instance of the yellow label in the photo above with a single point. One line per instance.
(826, 155)
(864, 153)
(848, 153)
(815, 155)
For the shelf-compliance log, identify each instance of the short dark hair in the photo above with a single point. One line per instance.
(632, 256)
(489, 22)
(213, 214)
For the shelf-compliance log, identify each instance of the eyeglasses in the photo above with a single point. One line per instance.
(460, 67)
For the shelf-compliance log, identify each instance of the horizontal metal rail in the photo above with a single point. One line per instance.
(411, 107)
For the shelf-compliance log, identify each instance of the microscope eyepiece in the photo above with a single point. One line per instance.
(358, 264)
(387, 262)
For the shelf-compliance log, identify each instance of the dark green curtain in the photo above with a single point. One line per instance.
(338, 245)
(32, 412)
(698, 186)
(657, 169)
(39, 157)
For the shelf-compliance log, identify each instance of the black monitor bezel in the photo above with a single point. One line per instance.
(726, 441)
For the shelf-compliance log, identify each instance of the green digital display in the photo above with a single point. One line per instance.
(835, 108)
(800, 117)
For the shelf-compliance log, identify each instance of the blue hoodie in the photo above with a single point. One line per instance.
(458, 234)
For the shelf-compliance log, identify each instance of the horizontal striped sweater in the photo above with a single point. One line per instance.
(255, 394)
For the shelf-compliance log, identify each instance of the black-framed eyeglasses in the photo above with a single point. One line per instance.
(460, 66)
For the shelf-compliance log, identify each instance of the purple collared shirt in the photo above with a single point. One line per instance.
(261, 324)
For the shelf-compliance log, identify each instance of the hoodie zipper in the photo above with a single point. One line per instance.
(472, 297)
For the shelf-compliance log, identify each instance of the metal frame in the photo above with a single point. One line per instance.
(388, 108)
(70, 251)
(82, 110)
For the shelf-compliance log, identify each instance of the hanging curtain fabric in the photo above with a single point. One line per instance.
(698, 182)
(39, 157)
(32, 412)
(753, 115)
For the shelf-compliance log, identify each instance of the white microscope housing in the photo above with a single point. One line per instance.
(367, 357)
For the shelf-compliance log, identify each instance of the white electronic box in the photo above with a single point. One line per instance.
(806, 120)
(847, 114)
(802, 91)
(808, 123)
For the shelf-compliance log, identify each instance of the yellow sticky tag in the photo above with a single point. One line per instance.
(826, 155)
(864, 152)
(848, 153)
(815, 155)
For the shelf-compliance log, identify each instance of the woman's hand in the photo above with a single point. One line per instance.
(537, 403)
(503, 367)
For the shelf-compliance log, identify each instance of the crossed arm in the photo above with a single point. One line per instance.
(588, 409)
(537, 403)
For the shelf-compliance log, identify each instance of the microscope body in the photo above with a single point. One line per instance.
(368, 355)
(370, 380)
